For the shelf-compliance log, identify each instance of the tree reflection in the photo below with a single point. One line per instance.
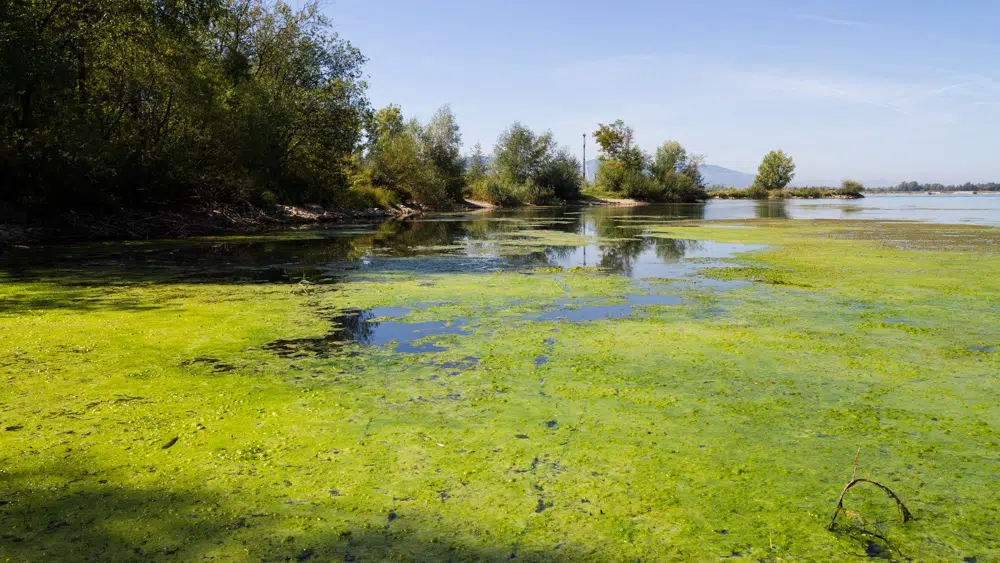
(772, 209)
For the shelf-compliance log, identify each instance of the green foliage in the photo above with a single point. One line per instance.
(442, 143)
(492, 189)
(532, 169)
(775, 172)
(795, 193)
(966, 187)
(677, 173)
(671, 174)
(477, 165)
(851, 188)
(109, 104)
(615, 178)
(418, 163)
(615, 141)
(521, 155)
(561, 175)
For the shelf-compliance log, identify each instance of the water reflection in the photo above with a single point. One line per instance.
(375, 327)
(615, 239)
(471, 242)
(772, 209)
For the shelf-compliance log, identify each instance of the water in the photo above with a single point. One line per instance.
(957, 209)
(613, 239)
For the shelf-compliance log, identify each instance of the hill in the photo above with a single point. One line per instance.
(714, 175)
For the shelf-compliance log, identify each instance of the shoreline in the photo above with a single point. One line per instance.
(180, 223)
(247, 220)
(218, 221)
(936, 194)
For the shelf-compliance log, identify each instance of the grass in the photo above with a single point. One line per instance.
(725, 427)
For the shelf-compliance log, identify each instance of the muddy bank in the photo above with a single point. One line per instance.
(18, 228)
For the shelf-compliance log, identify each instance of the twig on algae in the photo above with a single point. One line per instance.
(904, 512)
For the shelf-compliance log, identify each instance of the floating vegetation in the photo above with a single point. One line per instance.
(441, 406)
(872, 549)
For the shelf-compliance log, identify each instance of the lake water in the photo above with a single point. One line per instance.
(615, 239)
(958, 209)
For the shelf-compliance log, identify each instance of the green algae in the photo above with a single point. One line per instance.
(677, 435)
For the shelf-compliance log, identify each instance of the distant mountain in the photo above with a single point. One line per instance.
(713, 175)
(719, 176)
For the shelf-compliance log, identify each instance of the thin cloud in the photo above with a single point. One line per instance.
(642, 76)
(833, 21)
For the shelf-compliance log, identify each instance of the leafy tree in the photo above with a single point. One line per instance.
(615, 141)
(775, 172)
(107, 104)
(420, 163)
(520, 155)
(851, 188)
(671, 174)
(477, 165)
(562, 175)
(442, 144)
(528, 168)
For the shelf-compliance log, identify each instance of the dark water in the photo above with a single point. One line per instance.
(616, 240)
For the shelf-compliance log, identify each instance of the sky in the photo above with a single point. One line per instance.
(882, 91)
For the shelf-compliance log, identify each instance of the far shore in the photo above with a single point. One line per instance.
(931, 193)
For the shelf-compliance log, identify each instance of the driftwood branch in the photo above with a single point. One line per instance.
(904, 512)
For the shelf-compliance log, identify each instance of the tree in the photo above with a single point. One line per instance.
(106, 104)
(421, 163)
(520, 155)
(851, 188)
(477, 165)
(615, 141)
(775, 172)
(562, 175)
(442, 145)
(677, 173)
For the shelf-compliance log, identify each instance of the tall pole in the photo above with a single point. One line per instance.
(584, 158)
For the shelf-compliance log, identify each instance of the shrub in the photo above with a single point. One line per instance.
(619, 180)
(492, 189)
(851, 188)
(535, 194)
(562, 176)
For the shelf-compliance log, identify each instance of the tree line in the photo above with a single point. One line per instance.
(669, 174)
(919, 187)
(108, 105)
(775, 174)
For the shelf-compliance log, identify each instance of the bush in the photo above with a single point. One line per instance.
(851, 188)
(492, 189)
(683, 188)
(535, 194)
(625, 182)
(562, 176)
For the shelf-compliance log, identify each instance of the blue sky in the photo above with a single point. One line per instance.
(878, 90)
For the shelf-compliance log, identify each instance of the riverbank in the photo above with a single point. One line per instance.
(217, 221)
(793, 193)
(963, 193)
(17, 229)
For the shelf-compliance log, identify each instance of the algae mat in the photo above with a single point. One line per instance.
(534, 414)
